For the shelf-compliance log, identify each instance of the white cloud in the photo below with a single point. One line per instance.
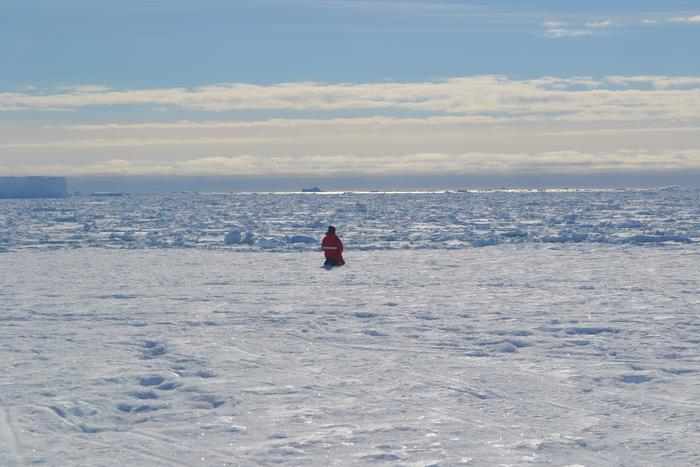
(132, 142)
(601, 24)
(566, 161)
(560, 29)
(658, 82)
(686, 19)
(617, 131)
(678, 20)
(478, 97)
(276, 123)
(85, 88)
(554, 24)
(360, 124)
(560, 33)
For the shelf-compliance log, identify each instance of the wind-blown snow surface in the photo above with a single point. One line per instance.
(528, 353)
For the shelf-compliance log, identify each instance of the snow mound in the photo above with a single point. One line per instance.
(659, 239)
(301, 239)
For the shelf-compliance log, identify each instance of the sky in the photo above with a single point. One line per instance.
(504, 91)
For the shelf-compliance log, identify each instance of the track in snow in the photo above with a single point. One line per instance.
(511, 354)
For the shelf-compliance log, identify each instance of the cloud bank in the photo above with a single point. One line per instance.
(560, 29)
(465, 125)
(695, 19)
(570, 161)
(572, 99)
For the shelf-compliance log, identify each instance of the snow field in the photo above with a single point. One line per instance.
(573, 354)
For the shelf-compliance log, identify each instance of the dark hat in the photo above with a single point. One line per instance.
(331, 229)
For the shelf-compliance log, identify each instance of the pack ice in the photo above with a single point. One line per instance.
(368, 221)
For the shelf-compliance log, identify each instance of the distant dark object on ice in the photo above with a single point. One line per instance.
(33, 187)
(108, 193)
(311, 190)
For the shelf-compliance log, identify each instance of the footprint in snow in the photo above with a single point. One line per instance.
(678, 371)
(635, 379)
(144, 395)
(381, 458)
(206, 401)
(151, 380)
(138, 409)
(168, 386)
(590, 331)
(428, 317)
(373, 333)
(157, 382)
(153, 349)
(365, 314)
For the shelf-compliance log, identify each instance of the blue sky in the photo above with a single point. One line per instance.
(342, 87)
(189, 43)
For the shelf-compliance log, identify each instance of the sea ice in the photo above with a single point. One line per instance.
(199, 329)
(542, 354)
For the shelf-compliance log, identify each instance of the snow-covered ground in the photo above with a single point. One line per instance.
(499, 328)
(549, 354)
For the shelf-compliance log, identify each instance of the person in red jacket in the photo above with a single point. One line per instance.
(332, 248)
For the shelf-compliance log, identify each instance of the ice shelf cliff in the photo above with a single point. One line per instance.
(33, 187)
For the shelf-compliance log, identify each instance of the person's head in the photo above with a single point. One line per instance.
(331, 230)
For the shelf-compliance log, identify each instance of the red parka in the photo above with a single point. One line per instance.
(332, 247)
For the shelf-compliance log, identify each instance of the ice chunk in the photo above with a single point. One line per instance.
(301, 239)
(108, 193)
(236, 236)
(659, 239)
(487, 241)
(630, 224)
(267, 243)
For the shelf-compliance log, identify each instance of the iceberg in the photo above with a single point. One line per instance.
(33, 187)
